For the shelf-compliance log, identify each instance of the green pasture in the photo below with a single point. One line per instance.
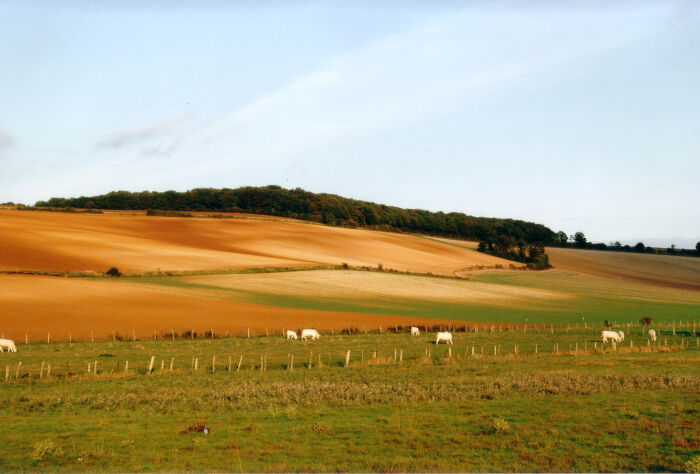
(401, 404)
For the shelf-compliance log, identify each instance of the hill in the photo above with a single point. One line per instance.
(323, 208)
(69, 242)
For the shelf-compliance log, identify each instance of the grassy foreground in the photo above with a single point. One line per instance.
(402, 404)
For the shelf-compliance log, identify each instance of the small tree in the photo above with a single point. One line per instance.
(639, 247)
(113, 272)
(645, 321)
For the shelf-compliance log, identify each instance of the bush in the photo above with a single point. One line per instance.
(113, 272)
(645, 321)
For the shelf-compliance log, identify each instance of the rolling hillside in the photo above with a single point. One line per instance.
(584, 286)
(49, 241)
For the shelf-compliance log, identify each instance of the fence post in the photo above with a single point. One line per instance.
(150, 365)
(26, 338)
(291, 363)
(229, 364)
(95, 368)
(347, 357)
(535, 348)
(239, 364)
(248, 333)
(311, 359)
(213, 364)
(172, 361)
(126, 367)
(19, 364)
(48, 338)
(41, 371)
(196, 364)
(7, 372)
(133, 335)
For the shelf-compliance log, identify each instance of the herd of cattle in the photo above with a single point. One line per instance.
(313, 334)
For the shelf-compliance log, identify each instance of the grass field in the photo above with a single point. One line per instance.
(402, 403)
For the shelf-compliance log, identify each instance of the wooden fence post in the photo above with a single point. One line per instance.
(248, 333)
(196, 364)
(48, 338)
(150, 365)
(41, 371)
(239, 364)
(347, 357)
(7, 372)
(48, 371)
(213, 364)
(126, 367)
(291, 363)
(26, 338)
(172, 361)
(229, 364)
(95, 368)
(19, 364)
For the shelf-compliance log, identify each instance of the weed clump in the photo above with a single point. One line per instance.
(45, 448)
(693, 465)
(320, 428)
(500, 425)
(197, 428)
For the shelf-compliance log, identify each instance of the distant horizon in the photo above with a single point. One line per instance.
(580, 116)
(657, 242)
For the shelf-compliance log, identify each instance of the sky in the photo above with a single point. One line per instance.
(582, 116)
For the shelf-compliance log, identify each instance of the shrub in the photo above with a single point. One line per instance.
(113, 272)
(645, 321)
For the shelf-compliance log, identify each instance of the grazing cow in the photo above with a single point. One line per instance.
(612, 335)
(8, 344)
(444, 336)
(622, 335)
(291, 334)
(415, 331)
(312, 333)
(652, 334)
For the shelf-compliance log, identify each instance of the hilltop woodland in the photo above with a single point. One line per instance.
(328, 209)
(508, 238)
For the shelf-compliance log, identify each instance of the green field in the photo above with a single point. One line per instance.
(585, 299)
(402, 403)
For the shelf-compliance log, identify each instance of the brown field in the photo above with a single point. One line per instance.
(355, 285)
(38, 305)
(61, 242)
(47, 241)
(658, 270)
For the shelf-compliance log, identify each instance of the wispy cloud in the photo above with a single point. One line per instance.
(6, 141)
(443, 66)
(158, 139)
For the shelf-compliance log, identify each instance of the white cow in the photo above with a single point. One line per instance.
(8, 344)
(622, 335)
(291, 334)
(444, 336)
(612, 335)
(312, 333)
(415, 331)
(652, 334)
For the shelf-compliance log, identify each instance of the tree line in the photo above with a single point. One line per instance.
(579, 240)
(328, 209)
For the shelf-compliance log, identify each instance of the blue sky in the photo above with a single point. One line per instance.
(581, 117)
